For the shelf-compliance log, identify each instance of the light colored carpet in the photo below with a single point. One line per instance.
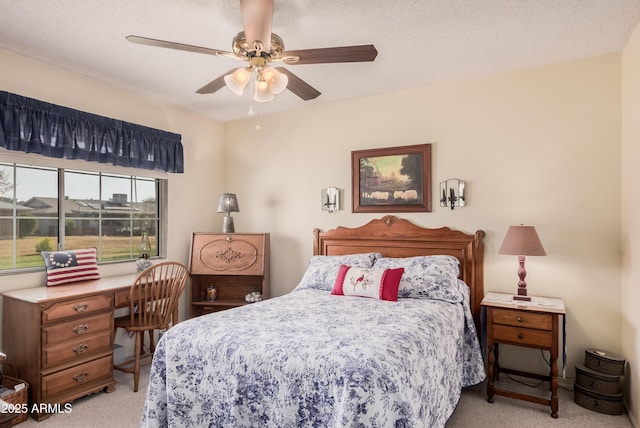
(123, 408)
(475, 411)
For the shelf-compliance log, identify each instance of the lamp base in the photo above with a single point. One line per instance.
(142, 263)
(522, 298)
(227, 225)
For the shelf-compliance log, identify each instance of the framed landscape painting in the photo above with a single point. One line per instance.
(394, 179)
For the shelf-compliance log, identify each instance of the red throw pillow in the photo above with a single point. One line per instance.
(368, 282)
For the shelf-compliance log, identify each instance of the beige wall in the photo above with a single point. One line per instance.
(630, 225)
(192, 195)
(539, 147)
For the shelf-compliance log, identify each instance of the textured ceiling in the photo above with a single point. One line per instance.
(420, 42)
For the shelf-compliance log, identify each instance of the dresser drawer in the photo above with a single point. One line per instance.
(522, 336)
(76, 379)
(78, 349)
(75, 328)
(522, 319)
(122, 298)
(70, 308)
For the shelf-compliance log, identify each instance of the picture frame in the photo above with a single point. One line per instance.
(392, 179)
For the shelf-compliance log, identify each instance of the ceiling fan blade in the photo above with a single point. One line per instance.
(299, 86)
(173, 45)
(361, 53)
(257, 17)
(215, 85)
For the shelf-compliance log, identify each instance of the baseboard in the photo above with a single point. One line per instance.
(566, 383)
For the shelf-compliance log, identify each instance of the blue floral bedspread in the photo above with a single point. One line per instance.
(310, 359)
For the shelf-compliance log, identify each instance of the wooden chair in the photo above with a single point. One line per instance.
(154, 306)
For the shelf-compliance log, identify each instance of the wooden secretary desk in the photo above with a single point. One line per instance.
(234, 264)
(60, 338)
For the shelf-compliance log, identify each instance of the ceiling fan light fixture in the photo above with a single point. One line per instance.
(237, 80)
(277, 81)
(262, 93)
(258, 46)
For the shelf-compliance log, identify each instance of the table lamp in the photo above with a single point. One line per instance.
(145, 247)
(226, 204)
(522, 241)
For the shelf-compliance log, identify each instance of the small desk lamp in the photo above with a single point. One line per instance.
(522, 241)
(226, 204)
(145, 247)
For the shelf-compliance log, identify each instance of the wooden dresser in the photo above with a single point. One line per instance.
(235, 264)
(61, 338)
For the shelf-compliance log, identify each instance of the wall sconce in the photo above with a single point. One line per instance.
(452, 193)
(228, 203)
(330, 198)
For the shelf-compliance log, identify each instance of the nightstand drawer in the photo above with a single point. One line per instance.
(522, 319)
(522, 336)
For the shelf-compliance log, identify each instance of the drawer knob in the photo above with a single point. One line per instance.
(81, 329)
(520, 336)
(81, 348)
(81, 376)
(81, 307)
(520, 319)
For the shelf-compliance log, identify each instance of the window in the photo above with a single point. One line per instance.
(44, 208)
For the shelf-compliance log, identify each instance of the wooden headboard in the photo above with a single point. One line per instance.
(395, 237)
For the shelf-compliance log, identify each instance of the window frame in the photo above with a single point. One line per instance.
(62, 165)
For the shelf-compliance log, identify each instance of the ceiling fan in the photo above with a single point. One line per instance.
(259, 47)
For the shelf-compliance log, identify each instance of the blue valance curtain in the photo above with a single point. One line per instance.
(34, 126)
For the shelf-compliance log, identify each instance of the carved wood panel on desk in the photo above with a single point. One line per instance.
(61, 338)
(234, 263)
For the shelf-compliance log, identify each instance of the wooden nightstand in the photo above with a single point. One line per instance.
(531, 324)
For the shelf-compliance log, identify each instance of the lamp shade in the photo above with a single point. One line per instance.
(277, 81)
(522, 241)
(262, 93)
(227, 203)
(237, 80)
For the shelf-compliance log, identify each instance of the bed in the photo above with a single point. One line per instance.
(322, 355)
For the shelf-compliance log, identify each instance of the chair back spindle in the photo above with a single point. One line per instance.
(155, 295)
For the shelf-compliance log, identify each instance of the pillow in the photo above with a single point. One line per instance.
(64, 267)
(368, 282)
(426, 277)
(322, 270)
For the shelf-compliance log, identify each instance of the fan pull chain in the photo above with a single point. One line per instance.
(251, 112)
(251, 89)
